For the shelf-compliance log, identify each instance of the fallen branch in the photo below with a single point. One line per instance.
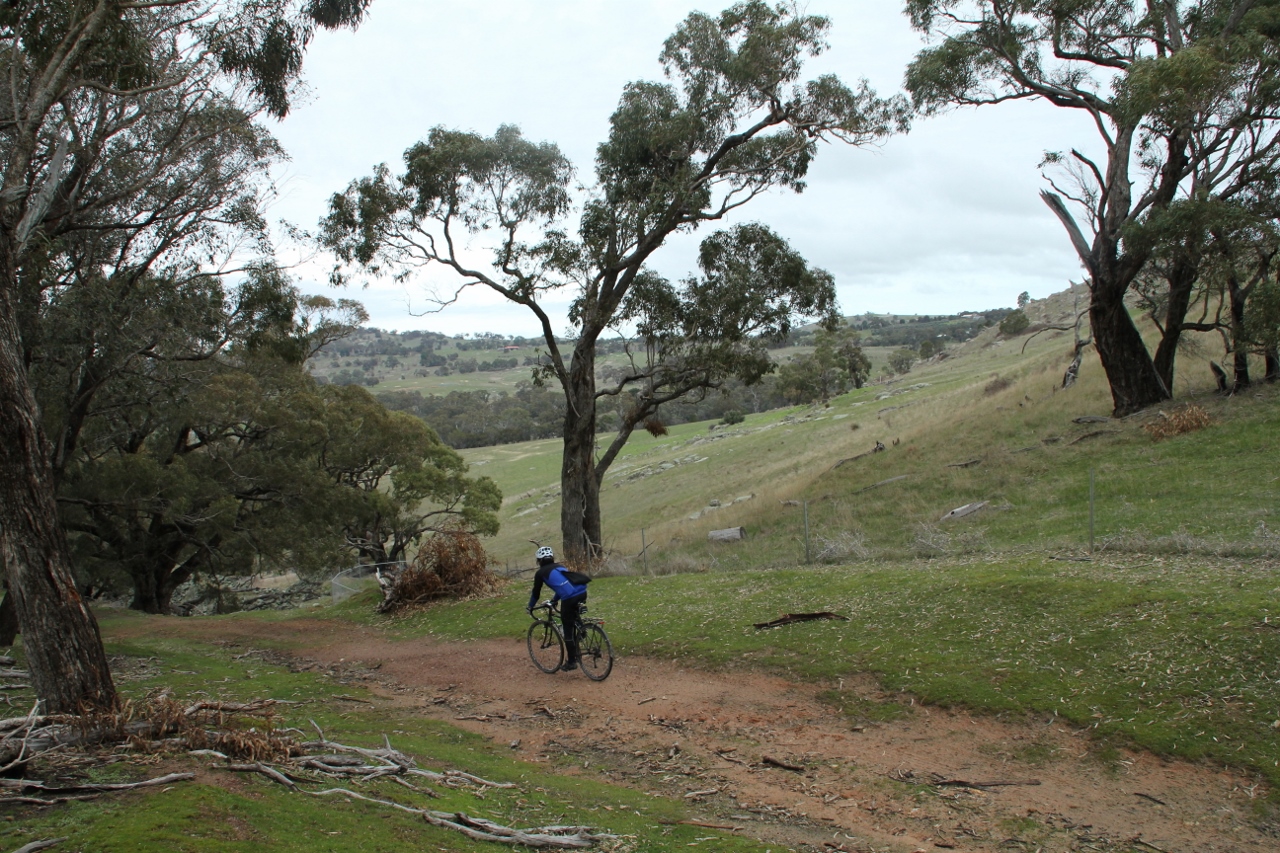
(999, 783)
(882, 483)
(98, 788)
(270, 772)
(800, 617)
(235, 707)
(773, 762)
(479, 829)
(1155, 800)
(39, 845)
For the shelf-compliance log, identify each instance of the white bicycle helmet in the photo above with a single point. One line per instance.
(544, 553)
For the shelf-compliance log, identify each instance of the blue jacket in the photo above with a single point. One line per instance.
(552, 574)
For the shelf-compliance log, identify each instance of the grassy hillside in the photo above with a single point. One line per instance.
(987, 423)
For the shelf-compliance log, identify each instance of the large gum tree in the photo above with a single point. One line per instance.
(1182, 97)
(733, 120)
(103, 101)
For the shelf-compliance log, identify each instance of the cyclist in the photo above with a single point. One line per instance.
(570, 595)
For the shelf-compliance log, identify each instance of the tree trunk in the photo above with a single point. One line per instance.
(1272, 360)
(1182, 279)
(580, 527)
(8, 622)
(1135, 384)
(60, 636)
(1240, 347)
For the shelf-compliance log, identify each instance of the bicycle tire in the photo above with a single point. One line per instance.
(595, 653)
(546, 645)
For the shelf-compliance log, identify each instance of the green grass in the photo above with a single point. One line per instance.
(1178, 655)
(222, 811)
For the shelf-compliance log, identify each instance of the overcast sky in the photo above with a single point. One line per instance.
(944, 219)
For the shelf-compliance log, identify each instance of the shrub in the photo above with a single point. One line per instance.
(845, 545)
(1014, 323)
(733, 416)
(1187, 419)
(452, 563)
(996, 385)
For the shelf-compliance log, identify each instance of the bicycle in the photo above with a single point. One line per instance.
(547, 647)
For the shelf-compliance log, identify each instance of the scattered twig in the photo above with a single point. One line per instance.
(346, 698)
(695, 794)
(774, 762)
(709, 825)
(1156, 800)
(647, 701)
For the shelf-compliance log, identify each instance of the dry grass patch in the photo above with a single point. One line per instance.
(1189, 418)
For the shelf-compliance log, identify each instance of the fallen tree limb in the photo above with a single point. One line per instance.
(478, 829)
(270, 772)
(39, 845)
(997, 783)
(882, 483)
(800, 617)
(99, 788)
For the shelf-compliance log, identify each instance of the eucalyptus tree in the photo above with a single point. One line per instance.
(104, 102)
(732, 120)
(1179, 94)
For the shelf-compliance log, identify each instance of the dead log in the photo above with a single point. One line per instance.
(729, 534)
(967, 464)
(800, 617)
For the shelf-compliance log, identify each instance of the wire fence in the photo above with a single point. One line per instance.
(358, 578)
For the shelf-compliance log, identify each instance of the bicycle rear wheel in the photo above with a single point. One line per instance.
(595, 653)
(546, 645)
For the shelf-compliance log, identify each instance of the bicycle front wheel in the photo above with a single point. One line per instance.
(546, 645)
(595, 653)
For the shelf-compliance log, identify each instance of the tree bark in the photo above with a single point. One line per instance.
(8, 621)
(1239, 297)
(1272, 360)
(580, 526)
(64, 651)
(1135, 384)
(1182, 279)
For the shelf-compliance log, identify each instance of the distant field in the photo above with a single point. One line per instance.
(401, 368)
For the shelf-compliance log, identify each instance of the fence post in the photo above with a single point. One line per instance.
(1091, 512)
(644, 551)
(806, 532)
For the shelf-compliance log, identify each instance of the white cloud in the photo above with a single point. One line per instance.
(944, 219)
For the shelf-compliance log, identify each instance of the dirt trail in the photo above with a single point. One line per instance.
(725, 742)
